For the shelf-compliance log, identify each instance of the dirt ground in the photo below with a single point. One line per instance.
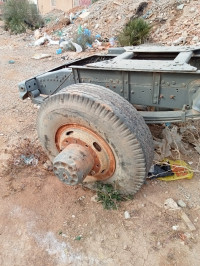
(41, 219)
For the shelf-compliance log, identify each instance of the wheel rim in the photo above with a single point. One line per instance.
(83, 155)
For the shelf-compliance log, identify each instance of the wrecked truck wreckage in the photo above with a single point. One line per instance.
(93, 115)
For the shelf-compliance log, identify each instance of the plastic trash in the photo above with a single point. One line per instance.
(87, 32)
(67, 45)
(97, 36)
(59, 51)
(41, 41)
(52, 42)
(112, 41)
(71, 16)
(78, 47)
(88, 45)
(97, 42)
(29, 160)
(80, 30)
(169, 170)
(11, 62)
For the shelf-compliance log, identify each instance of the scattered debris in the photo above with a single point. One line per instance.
(188, 221)
(176, 139)
(170, 204)
(59, 51)
(181, 203)
(37, 34)
(41, 40)
(180, 40)
(180, 7)
(29, 160)
(160, 170)
(175, 227)
(84, 14)
(94, 198)
(169, 170)
(81, 198)
(127, 215)
(11, 62)
(48, 165)
(40, 56)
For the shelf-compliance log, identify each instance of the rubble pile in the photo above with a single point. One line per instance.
(104, 18)
(174, 22)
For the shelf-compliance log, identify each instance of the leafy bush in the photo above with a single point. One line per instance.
(18, 15)
(109, 196)
(134, 33)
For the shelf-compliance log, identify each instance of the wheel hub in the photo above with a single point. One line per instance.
(84, 156)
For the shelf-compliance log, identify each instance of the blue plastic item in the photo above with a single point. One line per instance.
(59, 51)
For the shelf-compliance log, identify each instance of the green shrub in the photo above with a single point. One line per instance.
(109, 196)
(18, 15)
(134, 33)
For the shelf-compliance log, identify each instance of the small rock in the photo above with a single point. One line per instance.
(37, 34)
(127, 215)
(40, 56)
(48, 165)
(73, 216)
(180, 7)
(36, 106)
(175, 227)
(188, 222)
(188, 235)
(171, 204)
(81, 198)
(158, 244)
(181, 203)
(1, 134)
(116, 236)
(94, 198)
(192, 9)
(195, 39)
(179, 41)
(125, 247)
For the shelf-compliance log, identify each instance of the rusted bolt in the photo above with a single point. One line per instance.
(172, 96)
(161, 96)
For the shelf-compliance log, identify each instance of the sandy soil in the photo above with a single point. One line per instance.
(40, 217)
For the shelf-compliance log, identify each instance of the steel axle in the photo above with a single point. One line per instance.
(73, 164)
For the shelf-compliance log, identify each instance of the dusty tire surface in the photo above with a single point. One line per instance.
(109, 115)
